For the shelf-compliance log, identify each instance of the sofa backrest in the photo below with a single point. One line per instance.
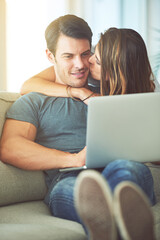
(17, 185)
(6, 99)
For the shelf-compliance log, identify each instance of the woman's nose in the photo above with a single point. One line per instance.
(91, 59)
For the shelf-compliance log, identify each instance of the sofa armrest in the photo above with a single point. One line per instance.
(155, 170)
(18, 185)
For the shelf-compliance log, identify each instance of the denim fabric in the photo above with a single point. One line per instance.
(61, 198)
(123, 170)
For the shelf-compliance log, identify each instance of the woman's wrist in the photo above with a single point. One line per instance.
(71, 95)
(76, 92)
(81, 93)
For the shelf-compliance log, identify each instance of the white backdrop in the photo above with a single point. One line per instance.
(28, 19)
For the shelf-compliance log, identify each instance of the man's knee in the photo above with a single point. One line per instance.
(129, 165)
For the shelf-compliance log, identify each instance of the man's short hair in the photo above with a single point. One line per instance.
(69, 25)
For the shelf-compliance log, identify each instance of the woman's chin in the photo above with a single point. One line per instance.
(95, 77)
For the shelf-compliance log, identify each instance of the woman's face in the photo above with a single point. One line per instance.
(95, 65)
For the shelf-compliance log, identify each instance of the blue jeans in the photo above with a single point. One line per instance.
(61, 198)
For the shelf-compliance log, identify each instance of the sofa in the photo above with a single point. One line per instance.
(24, 215)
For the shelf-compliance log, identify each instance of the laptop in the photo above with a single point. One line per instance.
(122, 127)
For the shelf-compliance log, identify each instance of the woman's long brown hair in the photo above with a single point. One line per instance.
(125, 66)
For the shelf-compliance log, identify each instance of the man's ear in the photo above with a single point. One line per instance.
(50, 56)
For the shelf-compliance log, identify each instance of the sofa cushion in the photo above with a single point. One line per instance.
(18, 185)
(39, 232)
(33, 221)
(26, 212)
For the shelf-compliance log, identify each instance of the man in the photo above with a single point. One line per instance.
(48, 133)
(70, 59)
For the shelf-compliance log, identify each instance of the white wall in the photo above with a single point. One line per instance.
(2, 47)
(154, 34)
(26, 24)
(134, 15)
(101, 15)
(28, 19)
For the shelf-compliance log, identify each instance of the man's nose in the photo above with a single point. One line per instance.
(79, 62)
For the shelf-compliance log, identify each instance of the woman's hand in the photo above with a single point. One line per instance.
(83, 93)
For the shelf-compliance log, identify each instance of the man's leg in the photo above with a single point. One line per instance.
(61, 199)
(124, 170)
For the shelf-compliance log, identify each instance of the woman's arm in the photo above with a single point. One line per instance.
(44, 82)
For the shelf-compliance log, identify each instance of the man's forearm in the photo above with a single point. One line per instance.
(29, 155)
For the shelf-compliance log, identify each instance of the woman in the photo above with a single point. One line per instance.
(125, 69)
(121, 64)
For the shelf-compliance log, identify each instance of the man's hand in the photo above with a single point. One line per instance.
(81, 157)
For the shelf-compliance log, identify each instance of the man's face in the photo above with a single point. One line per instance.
(71, 61)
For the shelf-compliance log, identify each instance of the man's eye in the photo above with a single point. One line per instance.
(87, 54)
(67, 56)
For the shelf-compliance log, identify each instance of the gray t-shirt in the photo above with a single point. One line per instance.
(60, 122)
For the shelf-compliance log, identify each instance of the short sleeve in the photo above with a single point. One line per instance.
(26, 109)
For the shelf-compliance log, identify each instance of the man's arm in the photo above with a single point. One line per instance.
(19, 149)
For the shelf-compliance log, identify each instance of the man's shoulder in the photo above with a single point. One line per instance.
(34, 97)
(26, 109)
(32, 100)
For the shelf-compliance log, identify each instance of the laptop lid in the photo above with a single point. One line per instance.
(123, 127)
